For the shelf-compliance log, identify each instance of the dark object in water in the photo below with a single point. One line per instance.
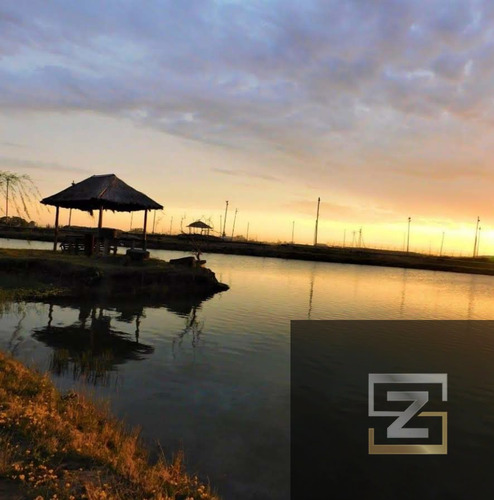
(188, 262)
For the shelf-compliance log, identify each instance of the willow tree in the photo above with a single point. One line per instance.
(20, 190)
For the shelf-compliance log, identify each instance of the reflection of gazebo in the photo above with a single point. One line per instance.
(102, 192)
(90, 347)
(199, 227)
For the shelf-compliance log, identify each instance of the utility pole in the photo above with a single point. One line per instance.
(317, 220)
(247, 237)
(154, 221)
(224, 222)
(408, 235)
(171, 225)
(293, 230)
(234, 219)
(476, 233)
(478, 243)
(360, 238)
(442, 243)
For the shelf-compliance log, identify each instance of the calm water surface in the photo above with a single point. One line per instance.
(212, 378)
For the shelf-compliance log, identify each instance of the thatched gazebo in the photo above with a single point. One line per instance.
(101, 192)
(202, 226)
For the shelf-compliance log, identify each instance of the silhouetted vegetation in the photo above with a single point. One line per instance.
(16, 222)
(19, 190)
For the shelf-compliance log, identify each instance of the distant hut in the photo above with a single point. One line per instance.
(199, 227)
(102, 192)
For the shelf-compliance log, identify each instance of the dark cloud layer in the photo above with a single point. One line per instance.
(340, 80)
(15, 163)
(245, 173)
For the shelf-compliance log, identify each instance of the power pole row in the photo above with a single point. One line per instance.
(360, 238)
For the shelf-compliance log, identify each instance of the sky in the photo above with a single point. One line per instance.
(384, 109)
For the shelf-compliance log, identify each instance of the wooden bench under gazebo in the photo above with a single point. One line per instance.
(101, 192)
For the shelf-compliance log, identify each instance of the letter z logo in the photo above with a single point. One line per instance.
(397, 429)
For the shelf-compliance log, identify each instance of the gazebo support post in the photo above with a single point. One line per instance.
(99, 238)
(55, 241)
(144, 239)
(100, 219)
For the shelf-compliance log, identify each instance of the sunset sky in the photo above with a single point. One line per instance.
(384, 109)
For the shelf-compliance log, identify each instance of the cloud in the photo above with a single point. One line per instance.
(210, 70)
(448, 174)
(246, 173)
(13, 163)
(321, 82)
(450, 66)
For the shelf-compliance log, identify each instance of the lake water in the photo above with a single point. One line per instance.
(213, 378)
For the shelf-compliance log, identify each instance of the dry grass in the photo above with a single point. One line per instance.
(66, 447)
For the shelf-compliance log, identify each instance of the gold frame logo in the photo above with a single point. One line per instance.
(418, 398)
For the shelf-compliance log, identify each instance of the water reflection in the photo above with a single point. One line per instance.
(472, 292)
(311, 292)
(17, 338)
(192, 329)
(404, 280)
(89, 348)
(92, 347)
(218, 382)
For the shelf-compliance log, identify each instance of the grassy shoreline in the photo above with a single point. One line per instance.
(31, 274)
(321, 253)
(67, 447)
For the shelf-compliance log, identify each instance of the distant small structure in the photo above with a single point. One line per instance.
(199, 227)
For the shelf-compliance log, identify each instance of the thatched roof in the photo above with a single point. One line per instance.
(102, 191)
(199, 224)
